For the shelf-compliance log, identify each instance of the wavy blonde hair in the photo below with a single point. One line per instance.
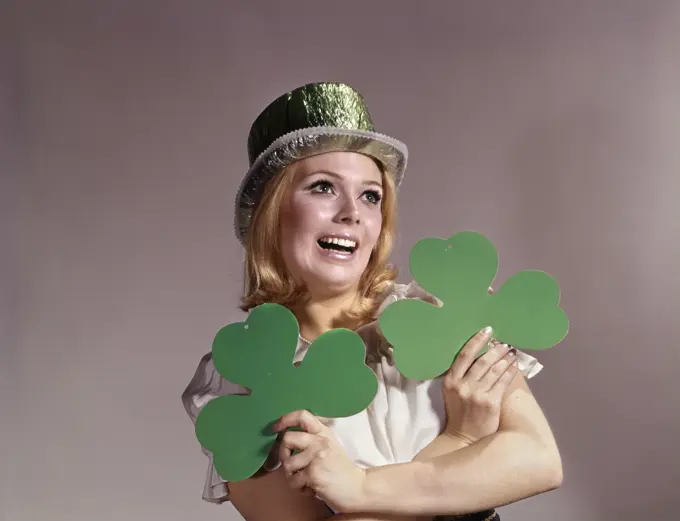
(268, 280)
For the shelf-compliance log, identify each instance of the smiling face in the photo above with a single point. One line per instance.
(330, 220)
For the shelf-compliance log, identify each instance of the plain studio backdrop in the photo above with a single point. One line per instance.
(551, 127)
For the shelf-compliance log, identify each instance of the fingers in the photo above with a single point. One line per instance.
(299, 461)
(297, 466)
(502, 371)
(303, 419)
(500, 387)
(294, 440)
(467, 355)
(488, 360)
(300, 481)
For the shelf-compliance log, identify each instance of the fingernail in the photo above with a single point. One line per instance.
(486, 330)
(513, 352)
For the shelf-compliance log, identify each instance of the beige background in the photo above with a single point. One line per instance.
(552, 127)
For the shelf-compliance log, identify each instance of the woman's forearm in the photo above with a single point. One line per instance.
(442, 444)
(377, 517)
(500, 469)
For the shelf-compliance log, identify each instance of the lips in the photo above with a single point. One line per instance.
(345, 244)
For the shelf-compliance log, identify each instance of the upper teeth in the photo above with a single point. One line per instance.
(348, 243)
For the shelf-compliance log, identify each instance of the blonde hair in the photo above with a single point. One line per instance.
(268, 280)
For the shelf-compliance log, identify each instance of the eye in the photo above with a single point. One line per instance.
(372, 196)
(321, 186)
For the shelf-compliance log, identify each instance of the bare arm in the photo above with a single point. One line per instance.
(511, 452)
(378, 517)
(519, 461)
(442, 444)
(267, 496)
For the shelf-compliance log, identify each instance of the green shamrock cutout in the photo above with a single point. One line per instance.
(332, 381)
(524, 312)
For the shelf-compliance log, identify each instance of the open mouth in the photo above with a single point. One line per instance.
(337, 244)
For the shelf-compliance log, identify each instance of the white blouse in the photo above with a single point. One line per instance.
(404, 417)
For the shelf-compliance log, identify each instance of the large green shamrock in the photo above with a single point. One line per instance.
(332, 381)
(524, 312)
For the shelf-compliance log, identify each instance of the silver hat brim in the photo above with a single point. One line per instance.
(292, 147)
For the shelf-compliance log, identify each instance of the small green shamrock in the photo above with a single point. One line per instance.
(332, 381)
(524, 312)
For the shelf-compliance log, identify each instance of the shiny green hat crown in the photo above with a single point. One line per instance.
(312, 119)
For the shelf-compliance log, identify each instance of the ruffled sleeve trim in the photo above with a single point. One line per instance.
(206, 385)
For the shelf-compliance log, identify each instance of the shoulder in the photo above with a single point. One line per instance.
(205, 385)
(411, 290)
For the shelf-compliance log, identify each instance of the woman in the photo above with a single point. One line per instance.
(316, 214)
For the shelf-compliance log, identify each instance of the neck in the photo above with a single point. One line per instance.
(318, 315)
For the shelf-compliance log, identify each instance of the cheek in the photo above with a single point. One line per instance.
(373, 227)
(304, 213)
(300, 220)
(289, 219)
(292, 219)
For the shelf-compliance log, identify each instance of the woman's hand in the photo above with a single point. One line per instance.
(321, 466)
(474, 388)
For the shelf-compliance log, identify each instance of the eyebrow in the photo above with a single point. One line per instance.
(338, 176)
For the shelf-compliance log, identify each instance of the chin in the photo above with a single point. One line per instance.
(329, 275)
(329, 286)
(329, 280)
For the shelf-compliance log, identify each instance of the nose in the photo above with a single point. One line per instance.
(349, 213)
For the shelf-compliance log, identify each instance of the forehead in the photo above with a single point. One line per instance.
(346, 165)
